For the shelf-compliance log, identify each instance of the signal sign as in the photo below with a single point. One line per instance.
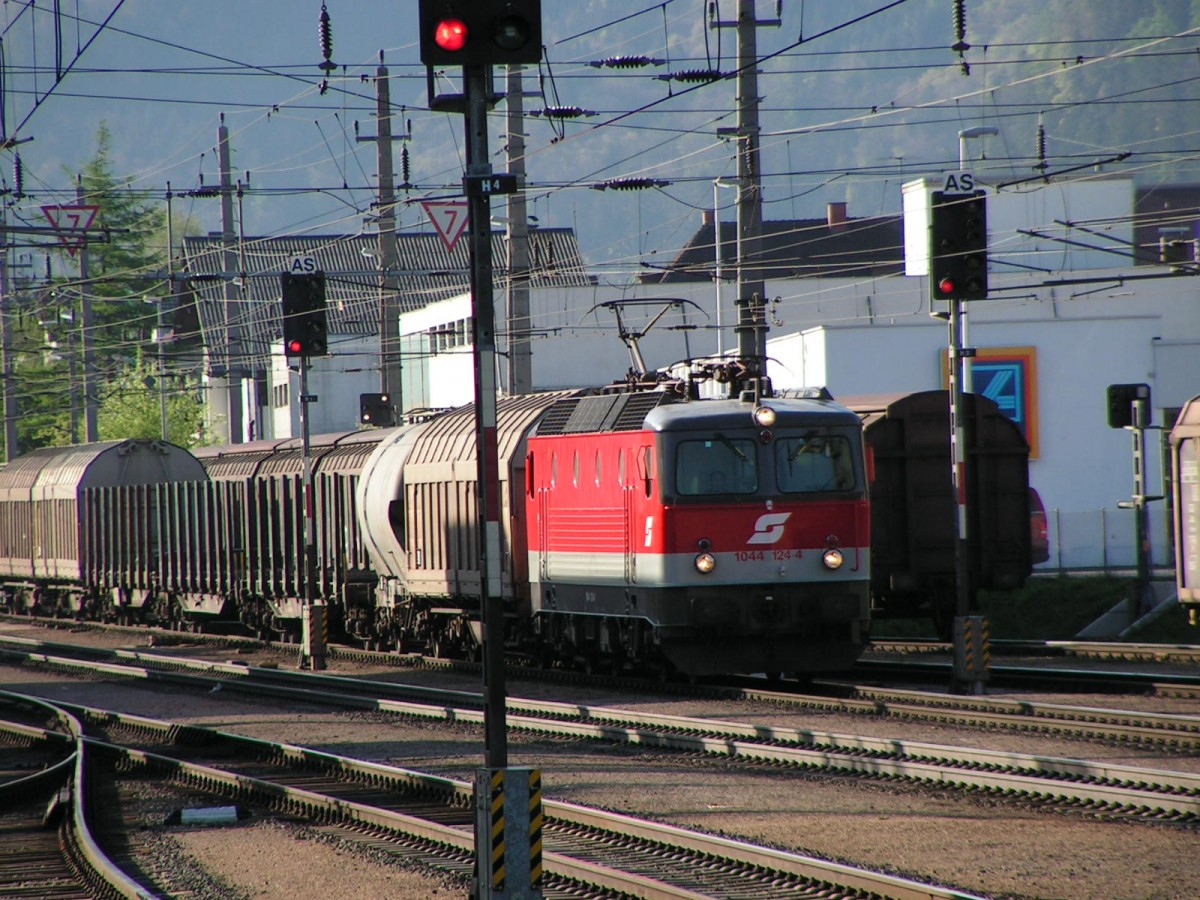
(958, 246)
(305, 325)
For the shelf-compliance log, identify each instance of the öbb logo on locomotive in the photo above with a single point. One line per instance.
(769, 528)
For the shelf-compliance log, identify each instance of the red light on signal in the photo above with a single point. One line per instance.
(295, 347)
(450, 35)
(946, 286)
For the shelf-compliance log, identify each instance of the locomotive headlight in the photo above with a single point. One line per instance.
(832, 558)
(705, 563)
(764, 416)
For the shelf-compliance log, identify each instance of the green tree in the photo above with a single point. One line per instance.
(122, 272)
(134, 407)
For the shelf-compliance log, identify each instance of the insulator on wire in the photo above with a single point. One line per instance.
(1040, 150)
(626, 62)
(629, 184)
(405, 166)
(563, 112)
(325, 34)
(693, 76)
(960, 27)
(18, 177)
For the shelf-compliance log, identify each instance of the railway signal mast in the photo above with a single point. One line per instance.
(305, 334)
(958, 273)
(477, 35)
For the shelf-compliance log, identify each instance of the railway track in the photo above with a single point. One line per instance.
(1038, 677)
(47, 845)
(1105, 650)
(1060, 783)
(1155, 730)
(895, 662)
(588, 853)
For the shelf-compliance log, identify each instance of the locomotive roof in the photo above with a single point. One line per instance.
(737, 414)
(665, 411)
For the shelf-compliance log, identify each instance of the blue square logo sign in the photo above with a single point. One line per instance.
(1003, 381)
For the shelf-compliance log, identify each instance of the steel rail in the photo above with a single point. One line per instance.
(1142, 681)
(1158, 792)
(557, 812)
(80, 844)
(1159, 727)
(1186, 653)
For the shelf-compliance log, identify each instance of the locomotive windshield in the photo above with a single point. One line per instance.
(718, 465)
(799, 463)
(813, 462)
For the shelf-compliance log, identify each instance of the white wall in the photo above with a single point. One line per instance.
(1091, 327)
(1036, 227)
(335, 380)
(1083, 466)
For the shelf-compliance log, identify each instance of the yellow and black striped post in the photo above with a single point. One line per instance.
(314, 635)
(972, 653)
(508, 834)
(496, 833)
(535, 829)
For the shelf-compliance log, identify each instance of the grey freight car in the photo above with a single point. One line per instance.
(417, 500)
(913, 509)
(261, 485)
(81, 524)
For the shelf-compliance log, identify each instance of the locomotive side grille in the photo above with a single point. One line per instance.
(557, 416)
(631, 415)
(607, 412)
(591, 414)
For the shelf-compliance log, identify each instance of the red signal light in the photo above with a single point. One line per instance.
(450, 34)
(946, 286)
(294, 347)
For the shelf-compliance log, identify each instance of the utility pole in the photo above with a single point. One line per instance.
(751, 326)
(90, 407)
(520, 360)
(231, 384)
(508, 805)
(479, 232)
(160, 334)
(11, 409)
(391, 366)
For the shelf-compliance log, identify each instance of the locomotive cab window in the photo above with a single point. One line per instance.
(813, 462)
(716, 465)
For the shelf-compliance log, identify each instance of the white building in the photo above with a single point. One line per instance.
(1068, 314)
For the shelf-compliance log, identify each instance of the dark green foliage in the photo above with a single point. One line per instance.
(1051, 609)
(124, 272)
(1056, 608)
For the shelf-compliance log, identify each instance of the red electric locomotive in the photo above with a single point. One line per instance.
(713, 536)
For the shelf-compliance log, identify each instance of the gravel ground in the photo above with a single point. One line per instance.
(974, 843)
